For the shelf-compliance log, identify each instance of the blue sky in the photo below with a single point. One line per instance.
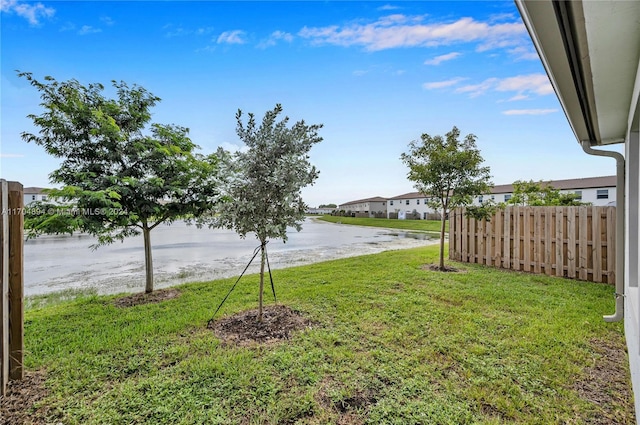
(376, 74)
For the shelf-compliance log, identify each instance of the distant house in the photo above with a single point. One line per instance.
(320, 211)
(370, 206)
(33, 194)
(409, 204)
(598, 191)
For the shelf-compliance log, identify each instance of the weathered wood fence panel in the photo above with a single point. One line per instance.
(11, 272)
(573, 242)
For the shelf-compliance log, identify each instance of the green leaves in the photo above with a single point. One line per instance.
(447, 169)
(122, 173)
(540, 194)
(266, 180)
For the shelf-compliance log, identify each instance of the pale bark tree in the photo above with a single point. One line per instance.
(265, 183)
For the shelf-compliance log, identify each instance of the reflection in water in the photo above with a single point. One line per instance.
(184, 253)
(422, 236)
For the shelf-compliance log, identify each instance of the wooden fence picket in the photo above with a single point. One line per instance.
(576, 242)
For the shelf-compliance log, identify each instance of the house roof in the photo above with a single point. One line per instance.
(590, 50)
(33, 190)
(568, 184)
(362, 201)
(410, 195)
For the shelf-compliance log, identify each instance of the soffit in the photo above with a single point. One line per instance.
(606, 37)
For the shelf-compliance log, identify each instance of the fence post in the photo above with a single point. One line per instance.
(560, 241)
(11, 271)
(506, 253)
(4, 304)
(497, 247)
(571, 242)
(517, 254)
(452, 233)
(596, 235)
(537, 235)
(611, 244)
(16, 281)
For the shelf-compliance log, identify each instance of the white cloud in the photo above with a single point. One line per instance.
(232, 37)
(11, 155)
(475, 90)
(529, 111)
(274, 37)
(501, 17)
(532, 83)
(518, 97)
(360, 73)
(397, 31)
(88, 29)
(524, 53)
(523, 85)
(442, 84)
(32, 12)
(204, 31)
(389, 7)
(107, 20)
(442, 58)
(179, 31)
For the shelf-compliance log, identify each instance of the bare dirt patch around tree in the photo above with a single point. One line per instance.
(606, 385)
(279, 322)
(143, 298)
(436, 268)
(18, 405)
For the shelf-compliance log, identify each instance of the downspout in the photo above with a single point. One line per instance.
(620, 217)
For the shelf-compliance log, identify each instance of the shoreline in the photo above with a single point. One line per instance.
(105, 276)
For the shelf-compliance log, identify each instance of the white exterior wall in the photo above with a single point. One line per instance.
(361, 207)
(33, 197)
(589, 195)
(631, 260)
(378, 207)
(417, 204)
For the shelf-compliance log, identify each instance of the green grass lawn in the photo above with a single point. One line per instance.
(421, 225)
(392, 344)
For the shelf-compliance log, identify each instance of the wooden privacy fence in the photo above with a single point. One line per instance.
(11, 271)
(573, 242)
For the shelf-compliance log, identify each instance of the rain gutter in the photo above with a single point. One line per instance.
(620, 217)
(565, 18)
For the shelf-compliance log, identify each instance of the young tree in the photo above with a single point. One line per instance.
(264, 189)
(124, 176)
(448, 170)
(540, 194)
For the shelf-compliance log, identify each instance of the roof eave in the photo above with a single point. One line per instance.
(590, 53)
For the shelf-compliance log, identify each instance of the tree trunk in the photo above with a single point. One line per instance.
(148, 260)
(444, 221)
(261, 294)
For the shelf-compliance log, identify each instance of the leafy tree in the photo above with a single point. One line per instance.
(123, 175)
(328, 206)
(540, 194)
(264, 189)
(449, 171)
(44, 217)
